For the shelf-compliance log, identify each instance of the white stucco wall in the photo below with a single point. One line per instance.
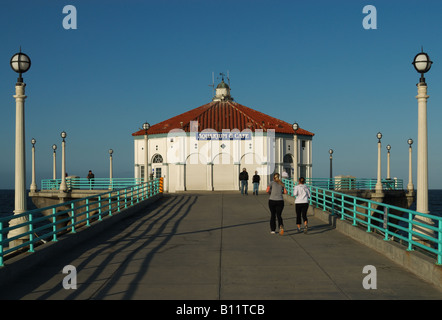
(191, 164)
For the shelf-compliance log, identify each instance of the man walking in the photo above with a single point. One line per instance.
(244, 180)
(255, 180)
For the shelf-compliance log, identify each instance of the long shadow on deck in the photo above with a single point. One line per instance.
(156, 217)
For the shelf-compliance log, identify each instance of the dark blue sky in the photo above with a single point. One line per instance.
(307, 61)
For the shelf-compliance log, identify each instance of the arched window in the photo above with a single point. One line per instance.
(157, 158)
(288, 158)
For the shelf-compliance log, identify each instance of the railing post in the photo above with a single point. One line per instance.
(87, 213)
(72, 218)
(332, 203)
(99, 208)
(1, 244)
(131, 196)
(54, 225)
(31, 234)
(342, 207)
(118, 200)
(439, 244)
(354, 212)
(410, 232)
(369, 216)
(110, 204)
(323, 199)
(386, 212)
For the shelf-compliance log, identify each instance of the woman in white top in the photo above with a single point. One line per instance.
(302, 195)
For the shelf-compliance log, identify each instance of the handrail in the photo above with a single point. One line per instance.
(352, 183)
(394, 222)
(69, 216)
(90, 184)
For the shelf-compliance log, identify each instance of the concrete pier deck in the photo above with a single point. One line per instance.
(217, 246)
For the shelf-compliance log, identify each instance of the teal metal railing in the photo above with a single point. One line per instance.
(90, 184)
(34, 228)
(395, 223)
(348, 183)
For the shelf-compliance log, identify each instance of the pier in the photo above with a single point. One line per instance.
(217, 246)
(172, 119)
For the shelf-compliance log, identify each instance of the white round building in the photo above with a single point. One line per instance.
(207, 147)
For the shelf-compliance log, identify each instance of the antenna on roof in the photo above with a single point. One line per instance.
(228, 78)
(213, 84)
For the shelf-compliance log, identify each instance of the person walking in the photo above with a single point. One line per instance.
(255, 180)
(91, 178)
(276, 203)
(302, 195)
(244, 180)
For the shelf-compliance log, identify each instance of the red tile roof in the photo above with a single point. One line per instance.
(219, 115)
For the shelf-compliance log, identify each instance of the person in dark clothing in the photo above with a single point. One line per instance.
(91, 177)
(255, 180)
(244, 180)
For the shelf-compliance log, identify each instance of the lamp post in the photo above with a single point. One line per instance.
(110, 168)
(410, 186)
(20, 63)
(54, 172)
(422, 64)
(63, 187)
(378, 187)
(388, 161)
(33, 187)
(331, 163)
(331, 184)
(146, 127)
(295, 127)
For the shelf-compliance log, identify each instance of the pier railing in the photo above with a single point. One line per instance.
(352, 183)
(32, 228)
(412, 229)
(73, 183)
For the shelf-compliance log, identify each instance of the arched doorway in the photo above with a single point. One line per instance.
(157, 166)
(223, 172)
(287, 165)
(195, 176)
